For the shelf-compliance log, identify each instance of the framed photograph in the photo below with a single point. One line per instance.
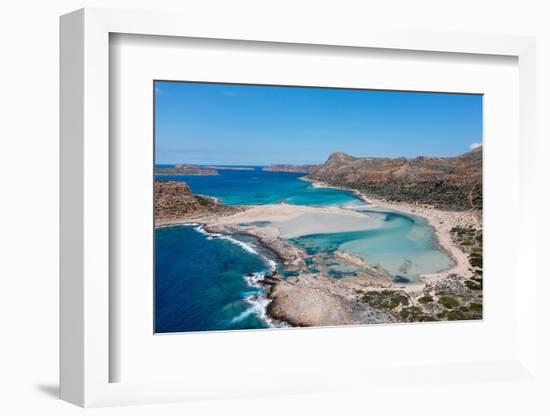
(239, 206)
(268, 214)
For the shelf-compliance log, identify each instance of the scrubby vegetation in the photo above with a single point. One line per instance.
(449, 302)
(443, 301)
(425, 299)
(385, 299)
(470, 240)
(448, 183)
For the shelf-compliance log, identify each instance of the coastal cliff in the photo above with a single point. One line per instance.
(175, 201)
(445, 183)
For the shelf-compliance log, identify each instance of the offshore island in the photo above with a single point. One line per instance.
(356, 240)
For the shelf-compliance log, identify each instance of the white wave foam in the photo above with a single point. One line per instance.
(254, 279)
(258, 302)
(245, 246)
(272, 265)
(211, 235)
(201, 230)
(258, 306)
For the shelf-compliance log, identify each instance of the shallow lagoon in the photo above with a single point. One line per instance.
(404, 246)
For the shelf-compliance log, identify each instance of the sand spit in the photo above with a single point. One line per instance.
(289, 221)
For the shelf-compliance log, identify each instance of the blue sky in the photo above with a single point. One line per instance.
(259, 125)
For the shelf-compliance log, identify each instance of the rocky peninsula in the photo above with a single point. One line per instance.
(291, 168)
(200, 170)
(175, 203)
(185, 169)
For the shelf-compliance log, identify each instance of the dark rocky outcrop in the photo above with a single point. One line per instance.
(291, 168)
(174, 200)
(186, 169)
(446, 183)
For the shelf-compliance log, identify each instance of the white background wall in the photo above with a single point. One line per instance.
(29, 56)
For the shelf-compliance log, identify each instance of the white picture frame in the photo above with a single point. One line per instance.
(85, 209)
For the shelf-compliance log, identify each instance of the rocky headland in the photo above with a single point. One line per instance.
(186, 169)
(453, 183)
(291, 168)
(175, 203)
(228, 167)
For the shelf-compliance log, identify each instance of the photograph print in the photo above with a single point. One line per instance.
(288, 206)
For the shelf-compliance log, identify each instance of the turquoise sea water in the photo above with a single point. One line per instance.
(403, 246)
(244, 187)
(207, 282)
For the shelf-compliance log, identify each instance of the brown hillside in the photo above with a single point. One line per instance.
(448, 183)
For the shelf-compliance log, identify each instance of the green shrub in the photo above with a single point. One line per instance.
(476, 261)
(476, 307)
(412, 313)
(366, 298)
(449, 302)
(425, 299)
(391, 304)
(455, 315)
(473, 285)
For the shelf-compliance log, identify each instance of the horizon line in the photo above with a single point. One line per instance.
(312, 163)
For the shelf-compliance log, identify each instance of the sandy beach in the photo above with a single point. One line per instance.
(288, 221)
(442, 222)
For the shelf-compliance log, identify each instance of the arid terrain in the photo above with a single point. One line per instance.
(175, 203)
(445, 183)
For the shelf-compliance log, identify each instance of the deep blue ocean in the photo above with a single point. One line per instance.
(207, 282)
(200, 282)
